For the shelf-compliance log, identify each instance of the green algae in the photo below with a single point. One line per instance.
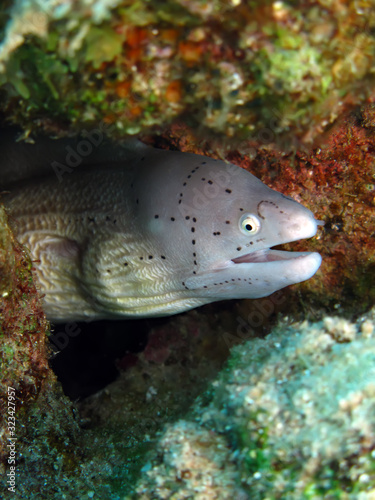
(103, 45)
(237, 65)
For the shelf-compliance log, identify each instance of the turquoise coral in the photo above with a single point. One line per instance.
(296, 410)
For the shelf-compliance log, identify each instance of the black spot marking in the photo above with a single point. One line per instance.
(125, 264)
(251, 243)
(179, 202)
(241, 209)
(193, 242)
(239, 248)
(227, 222)
(137, 201)
(203, 163)
(142, 158)
(193, 229)
(156, 216)
(181, 195)
(184, 184)
(187, 217)
(205, 286)
(194, 272)
(194, 219)
(189, 176)
(203, 178)
(173, 219)
(108, 270)
(150, 256)
(195, 263)
(140, 258)
(162, 256)
(210, 182)
(228, 190)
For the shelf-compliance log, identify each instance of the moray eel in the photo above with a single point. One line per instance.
(155, 233)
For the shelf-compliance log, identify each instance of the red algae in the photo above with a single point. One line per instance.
(23, 326)
(336, 182)
(37, 420)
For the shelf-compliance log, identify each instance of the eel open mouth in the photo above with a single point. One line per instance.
(268, 255)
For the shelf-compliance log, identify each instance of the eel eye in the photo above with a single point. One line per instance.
(249, 224)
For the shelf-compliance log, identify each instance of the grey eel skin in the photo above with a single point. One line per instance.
(148, 232)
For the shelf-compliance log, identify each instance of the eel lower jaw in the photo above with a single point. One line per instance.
(286, 267)
(266, 271)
